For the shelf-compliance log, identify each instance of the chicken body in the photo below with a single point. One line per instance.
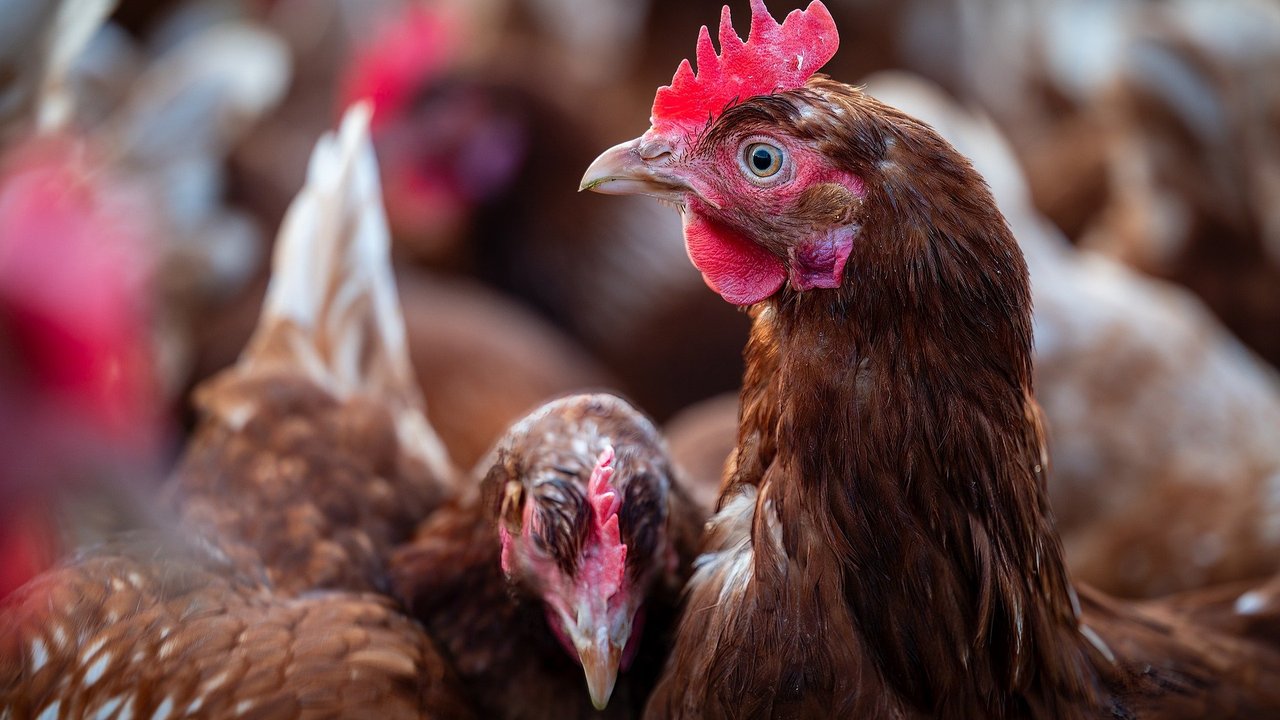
(496, 623)
(312, 460)
(884, 545)
(153, 627)
(313, 456)
(316, 490)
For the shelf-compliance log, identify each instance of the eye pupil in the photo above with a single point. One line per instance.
(762, 160)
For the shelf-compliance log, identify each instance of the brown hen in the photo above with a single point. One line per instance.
(320, 421)
(884, 545)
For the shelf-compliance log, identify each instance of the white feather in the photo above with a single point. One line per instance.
(39, 655)
(332, 311)
(108, 708)
(1250, 603)
(75, 23)
(199, 98)
(730, 559)
(95, 671)
(1096, 641)
(164, 710)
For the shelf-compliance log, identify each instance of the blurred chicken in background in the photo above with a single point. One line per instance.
(312, 457)
(1148, 130)
(80, 409)
(480, 128)
(78, 400)
(1196, 165)
(165, 111)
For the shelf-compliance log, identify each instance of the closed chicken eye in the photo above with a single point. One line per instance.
(762, 160)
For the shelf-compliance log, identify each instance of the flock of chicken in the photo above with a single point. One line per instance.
(870, 527)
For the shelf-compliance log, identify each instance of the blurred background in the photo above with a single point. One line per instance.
(149, 148)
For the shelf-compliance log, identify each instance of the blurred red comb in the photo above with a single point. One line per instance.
(75, 261)
(407, 51)
(774, 57)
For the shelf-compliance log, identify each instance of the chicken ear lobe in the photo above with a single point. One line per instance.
(819, 262)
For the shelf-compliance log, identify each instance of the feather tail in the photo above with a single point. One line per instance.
(332, 313)
(331, 310)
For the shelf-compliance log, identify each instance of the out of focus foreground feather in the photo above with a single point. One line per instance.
(312, 458)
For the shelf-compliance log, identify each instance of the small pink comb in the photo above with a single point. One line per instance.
(604, 500)
(774, 57)
(611, 553)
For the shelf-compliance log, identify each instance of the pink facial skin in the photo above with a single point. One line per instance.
(600, 594)
(738, 267)
(775, 57)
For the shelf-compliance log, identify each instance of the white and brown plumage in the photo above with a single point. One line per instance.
(312, 459)
(145, 627)
(321, 420)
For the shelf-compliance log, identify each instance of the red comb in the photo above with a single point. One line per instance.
(611, 553)
(774, 57)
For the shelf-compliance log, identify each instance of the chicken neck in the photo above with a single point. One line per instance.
(905, 435)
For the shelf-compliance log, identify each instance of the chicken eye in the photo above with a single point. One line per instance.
(762, 159)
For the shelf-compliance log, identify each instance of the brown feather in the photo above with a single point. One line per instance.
(146, 625)
(316, 489)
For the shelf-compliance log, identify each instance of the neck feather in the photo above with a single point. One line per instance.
(898, 416)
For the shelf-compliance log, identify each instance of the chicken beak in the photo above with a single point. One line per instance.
(635, 168)
(600, 660)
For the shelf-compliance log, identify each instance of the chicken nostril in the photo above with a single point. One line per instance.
(656, 154)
